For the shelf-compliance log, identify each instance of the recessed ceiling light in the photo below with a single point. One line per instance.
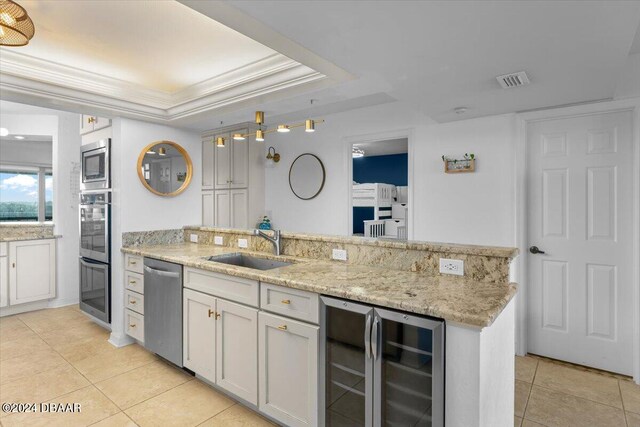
(4, 131)
(460, 110)
(19, 137)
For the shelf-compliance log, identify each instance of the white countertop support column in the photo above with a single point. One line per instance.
(480, 373)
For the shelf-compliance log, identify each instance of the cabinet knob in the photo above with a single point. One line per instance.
(286, 301)
(131, 302)
(132, 326)
(282, 327)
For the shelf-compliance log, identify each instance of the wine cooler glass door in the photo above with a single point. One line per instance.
(347, 363)
(409, 369)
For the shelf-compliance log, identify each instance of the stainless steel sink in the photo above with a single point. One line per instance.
(248, 261)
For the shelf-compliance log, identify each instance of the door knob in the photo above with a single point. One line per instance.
(535, 250)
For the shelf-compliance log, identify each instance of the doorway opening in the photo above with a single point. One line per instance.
(379, 196)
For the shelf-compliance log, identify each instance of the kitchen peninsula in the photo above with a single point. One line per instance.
(476, 309)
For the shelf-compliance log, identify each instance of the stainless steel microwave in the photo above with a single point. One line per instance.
(96, 168)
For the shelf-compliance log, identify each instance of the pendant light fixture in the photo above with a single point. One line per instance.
(16, 27)
(262, 131)
(162, 151)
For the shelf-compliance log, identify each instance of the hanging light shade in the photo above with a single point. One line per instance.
(283, 128)
(309, 125)
(16, 27)
(238, 137)
(260, 135)
(162, 151)
(220, 142)
(259, 117)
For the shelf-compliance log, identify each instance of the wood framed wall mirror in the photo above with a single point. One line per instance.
(306, 176)
(165, 168)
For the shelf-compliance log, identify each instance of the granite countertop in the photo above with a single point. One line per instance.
(32, 237)
(451, 298)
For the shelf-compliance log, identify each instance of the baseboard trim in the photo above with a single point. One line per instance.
(63, 302)
(23, 308)
(120, 340)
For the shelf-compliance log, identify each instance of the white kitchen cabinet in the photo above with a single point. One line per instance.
(4, 275)
(208, 208)
(231, 166)
(199, 333)
(237, 349)
(208, 153)
(231, 208)
(222, 208)
(288, 370)
(32, 270)
(89, 123)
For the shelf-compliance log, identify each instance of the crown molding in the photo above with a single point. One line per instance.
(25, 75)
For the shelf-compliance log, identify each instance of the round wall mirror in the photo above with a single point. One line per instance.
(306, 176)
(165, 168)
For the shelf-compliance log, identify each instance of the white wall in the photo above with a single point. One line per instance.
(474, 208)
(65, 131)
(134, 208)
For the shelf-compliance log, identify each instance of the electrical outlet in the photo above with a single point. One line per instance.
(339, 254)
(243, 243)
(193, 238)
(452, 266)
(217, 240)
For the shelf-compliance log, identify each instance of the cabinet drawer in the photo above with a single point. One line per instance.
(134, 263)
(134, 281)
(134, 324)
(233, 288)
(134, 301)
(289, 302)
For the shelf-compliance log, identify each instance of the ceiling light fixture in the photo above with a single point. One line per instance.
(309, 125)
(460, 110)
(16, 27)
(162, 151)
(357, 152)
(4, 131)
(260, 133)
(150, 151)
(19, 137)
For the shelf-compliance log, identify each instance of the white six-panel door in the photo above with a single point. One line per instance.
(579, 215)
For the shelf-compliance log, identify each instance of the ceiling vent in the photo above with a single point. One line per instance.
(508, 81)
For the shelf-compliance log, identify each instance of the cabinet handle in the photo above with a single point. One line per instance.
(132, 262)
(132, 282)
(91, 120)
(286, 301)
(282, 327)
(132, 326)
(131, 302)
(211, 312)
(13, 265)
(217, 315)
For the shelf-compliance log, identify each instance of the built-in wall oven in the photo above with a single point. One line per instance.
(96, 168)
(95, 254)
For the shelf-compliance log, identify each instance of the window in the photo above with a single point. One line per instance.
(26, 194)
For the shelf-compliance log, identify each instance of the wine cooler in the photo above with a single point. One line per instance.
(380, 367)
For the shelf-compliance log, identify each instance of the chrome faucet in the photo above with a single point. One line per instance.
(275, 240)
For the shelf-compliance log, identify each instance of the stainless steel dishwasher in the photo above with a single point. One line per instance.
(163, 309)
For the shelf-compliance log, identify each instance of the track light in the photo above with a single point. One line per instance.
(162, 151)
(283, 128)
(259, 117)
(260, 135)
(309, 125)
(220, 142)
(238, 137)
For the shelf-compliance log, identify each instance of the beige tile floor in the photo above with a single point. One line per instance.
(550, 393)
(60, 356)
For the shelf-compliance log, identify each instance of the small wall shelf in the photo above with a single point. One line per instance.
(467, 164)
